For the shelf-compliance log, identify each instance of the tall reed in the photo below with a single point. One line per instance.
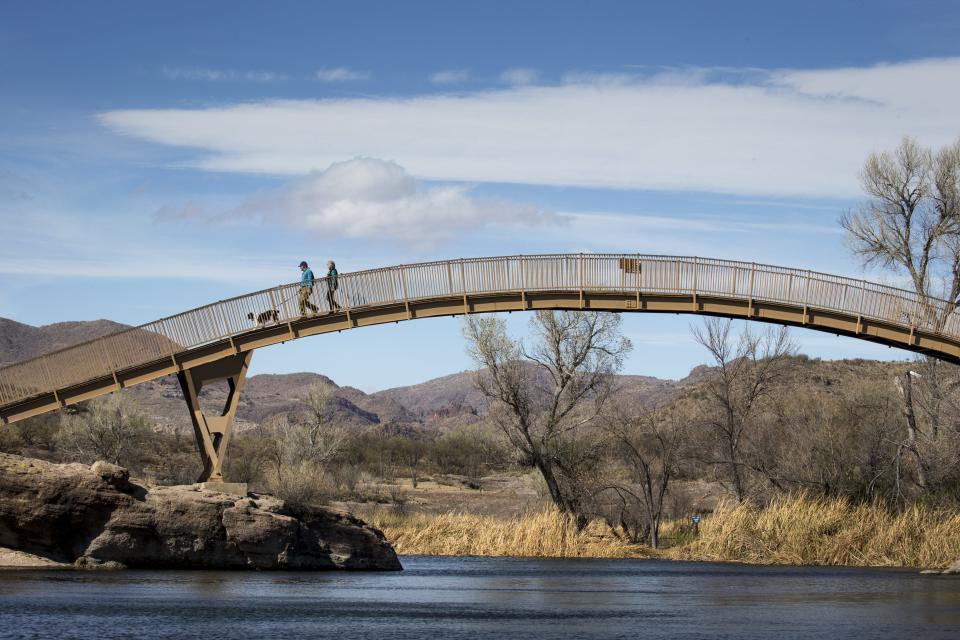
(546, 533)
(819, 531)
(790, 530)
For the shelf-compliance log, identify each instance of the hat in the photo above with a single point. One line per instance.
(303, 263)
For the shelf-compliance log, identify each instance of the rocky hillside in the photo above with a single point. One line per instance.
(448, 397)
(268, 395)
(438, 404)
(450, 401)
(20, 341)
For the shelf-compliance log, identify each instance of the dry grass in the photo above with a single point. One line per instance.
(804, 531)
(546, 533)
(791, 530)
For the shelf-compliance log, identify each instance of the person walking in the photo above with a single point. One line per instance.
(332, 286)
(306, 288)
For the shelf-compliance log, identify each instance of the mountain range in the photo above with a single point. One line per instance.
(438, 404)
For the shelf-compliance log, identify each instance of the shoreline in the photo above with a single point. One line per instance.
(13, 560)
(797, 531)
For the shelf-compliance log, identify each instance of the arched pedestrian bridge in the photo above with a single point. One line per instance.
(216, 341)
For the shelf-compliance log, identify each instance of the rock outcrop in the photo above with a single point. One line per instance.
(95, 516)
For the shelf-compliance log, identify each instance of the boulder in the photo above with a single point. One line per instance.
(97, 517)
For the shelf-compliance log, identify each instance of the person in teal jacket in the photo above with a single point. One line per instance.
(332, 286)
(306, 288)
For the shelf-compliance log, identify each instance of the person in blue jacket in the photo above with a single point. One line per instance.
(306, 288)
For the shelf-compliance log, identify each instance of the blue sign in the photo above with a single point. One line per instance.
(695, 519)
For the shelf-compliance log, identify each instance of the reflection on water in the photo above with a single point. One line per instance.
(486, 598)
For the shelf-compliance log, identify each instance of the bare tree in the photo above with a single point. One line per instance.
(412, 452)
(269, 434)
(545, 397)
(650, 446)
(318, 440)
(300, 447)
(747, 370)
(910, 221)
(112, 429)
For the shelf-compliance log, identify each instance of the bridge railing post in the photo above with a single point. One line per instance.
(352, 296)
(696, 275)
(463, 287)
(580, 277)
(863, 293)
(523, 281)
(639, 279)
(403, 289)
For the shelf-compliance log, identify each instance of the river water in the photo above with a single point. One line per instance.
(502, 598)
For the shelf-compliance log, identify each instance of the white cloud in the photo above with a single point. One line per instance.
(784, 133)
(519, 76)
(220, 75)
(375, 199)
(340, 74)
(451, 76)
(891, 85)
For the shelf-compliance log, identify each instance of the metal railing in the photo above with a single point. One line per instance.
(634, 273)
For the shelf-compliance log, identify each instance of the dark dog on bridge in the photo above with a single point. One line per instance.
(271, 316)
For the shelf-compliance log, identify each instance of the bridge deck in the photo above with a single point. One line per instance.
(621, 282)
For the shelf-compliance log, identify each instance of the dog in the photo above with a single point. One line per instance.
(261, 319)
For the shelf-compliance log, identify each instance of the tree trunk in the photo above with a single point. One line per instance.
(735, 472)
(907, 391)
(564, 503)
(552, 486)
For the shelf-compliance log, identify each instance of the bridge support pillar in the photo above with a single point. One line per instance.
(213, 431)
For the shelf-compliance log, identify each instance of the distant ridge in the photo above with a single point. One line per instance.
(19, 341)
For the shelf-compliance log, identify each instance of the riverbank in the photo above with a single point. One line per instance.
(789, 531)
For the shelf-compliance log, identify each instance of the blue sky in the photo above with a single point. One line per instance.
(154, 159)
